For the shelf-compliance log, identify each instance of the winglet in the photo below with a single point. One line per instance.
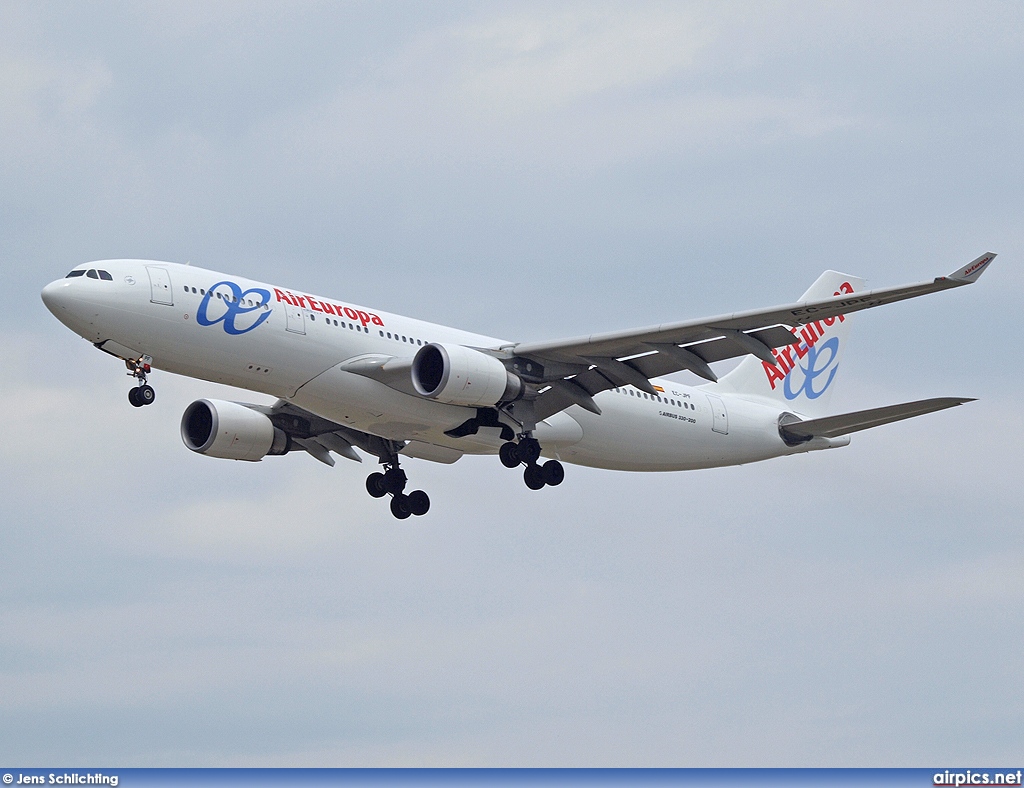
(970, 272)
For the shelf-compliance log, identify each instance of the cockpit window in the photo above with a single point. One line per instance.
(105, 276)
(73, 274)
(91, 273)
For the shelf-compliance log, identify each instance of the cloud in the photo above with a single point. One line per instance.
(523, 63)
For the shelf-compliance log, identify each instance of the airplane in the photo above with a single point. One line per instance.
(348, 377)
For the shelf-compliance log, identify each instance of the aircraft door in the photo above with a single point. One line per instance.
(295, 319)
(160, 286)
(719, 416)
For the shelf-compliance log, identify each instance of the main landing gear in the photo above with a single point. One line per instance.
(392, 482)
(527, 452)
(143, 393)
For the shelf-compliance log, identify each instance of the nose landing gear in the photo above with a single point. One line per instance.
(527, 452)
(143, 393)
(392, 482)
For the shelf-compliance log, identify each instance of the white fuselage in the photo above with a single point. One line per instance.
(292, 348)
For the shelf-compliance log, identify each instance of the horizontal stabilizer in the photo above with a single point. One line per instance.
(845, 423)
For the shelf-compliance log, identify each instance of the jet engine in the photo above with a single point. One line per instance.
(458, 375)
(230, 431)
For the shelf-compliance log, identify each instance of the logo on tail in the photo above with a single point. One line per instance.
(815, 368)
(814, 359)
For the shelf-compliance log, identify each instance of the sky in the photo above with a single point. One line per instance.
(528, 171)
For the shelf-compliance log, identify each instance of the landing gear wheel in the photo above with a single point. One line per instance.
(553, 473)
(509, 455)
(400, 507)
(394, 481)
(528, 450)
(419, 503)
(534, 477)
(142, 394)
(375, 485)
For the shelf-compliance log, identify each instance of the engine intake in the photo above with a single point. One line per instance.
(231, 431)
(458, 375)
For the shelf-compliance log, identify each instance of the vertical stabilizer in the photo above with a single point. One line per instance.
(804, 378)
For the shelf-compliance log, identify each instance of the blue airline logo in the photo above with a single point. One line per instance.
(235, 309)
(818, 363)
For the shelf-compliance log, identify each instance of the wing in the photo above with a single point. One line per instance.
(319, 437)
(576, 369)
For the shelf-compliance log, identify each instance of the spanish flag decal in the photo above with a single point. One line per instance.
(659, 389)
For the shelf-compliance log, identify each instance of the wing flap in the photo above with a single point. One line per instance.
(845, 423)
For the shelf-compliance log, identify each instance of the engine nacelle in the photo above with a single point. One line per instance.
(458, 375)
(230, 431)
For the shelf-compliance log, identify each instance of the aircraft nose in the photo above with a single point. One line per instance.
(55, 295)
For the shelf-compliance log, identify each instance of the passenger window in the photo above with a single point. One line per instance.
(91, 273)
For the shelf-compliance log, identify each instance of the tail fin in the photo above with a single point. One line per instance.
(804, 378)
